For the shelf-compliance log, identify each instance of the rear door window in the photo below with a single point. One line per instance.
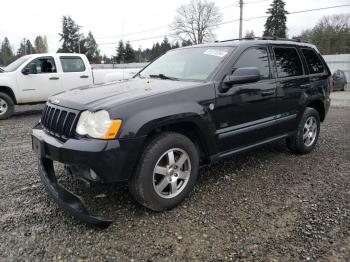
(255, 57)
(313, 61)
(288, 62)
(72, 64)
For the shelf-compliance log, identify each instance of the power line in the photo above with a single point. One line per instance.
(166, 26)
(151, 29)
(134, 33)
(232, 21)
(316, 9)
(142, 39)
(301, 11)
(253, 2)
(241, 4)
(225, 7)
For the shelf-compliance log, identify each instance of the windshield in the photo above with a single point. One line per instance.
(14, 65)
(197, 63)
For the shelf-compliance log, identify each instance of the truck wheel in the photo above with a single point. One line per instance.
(6, 106)
(305, 139)
(166, 172)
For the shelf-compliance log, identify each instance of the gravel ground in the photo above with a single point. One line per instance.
(265, 205)
(341, 98)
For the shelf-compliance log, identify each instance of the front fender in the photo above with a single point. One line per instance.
(144, 122)
(8, 82)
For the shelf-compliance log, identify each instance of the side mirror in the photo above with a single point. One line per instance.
(30, 69)
(242, 75)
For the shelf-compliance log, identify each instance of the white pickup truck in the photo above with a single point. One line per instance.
(32, 79)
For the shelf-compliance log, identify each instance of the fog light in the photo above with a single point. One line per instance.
(93, 175)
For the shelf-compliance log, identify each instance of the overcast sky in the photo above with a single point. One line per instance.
(107, 18)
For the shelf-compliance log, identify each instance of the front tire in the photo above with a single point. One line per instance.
(304, 141)
(166, 173)
(6, 106)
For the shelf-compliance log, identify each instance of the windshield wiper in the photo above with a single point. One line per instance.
(162, 76)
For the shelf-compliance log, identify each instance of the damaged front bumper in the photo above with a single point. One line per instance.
(68, 201)
(108, 161)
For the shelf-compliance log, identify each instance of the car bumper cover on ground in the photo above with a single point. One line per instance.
(108, 158)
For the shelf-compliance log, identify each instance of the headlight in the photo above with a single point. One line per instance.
(98, 125)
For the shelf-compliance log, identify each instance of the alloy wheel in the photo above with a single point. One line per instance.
(171, 173)
(310, 131)
(3, 107)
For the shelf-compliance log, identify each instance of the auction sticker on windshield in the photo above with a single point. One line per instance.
(215, 52)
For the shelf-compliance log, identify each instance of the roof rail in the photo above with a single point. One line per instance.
(236, 39)
(294, 39)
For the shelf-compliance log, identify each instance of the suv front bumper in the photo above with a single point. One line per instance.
(111, 161)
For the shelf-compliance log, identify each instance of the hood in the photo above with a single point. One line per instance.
(5, 77)
(117, 93)
(5, 74)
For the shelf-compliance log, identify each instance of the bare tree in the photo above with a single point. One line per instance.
(196, 21)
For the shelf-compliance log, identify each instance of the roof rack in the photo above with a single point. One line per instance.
(237, 39)
(294, 39)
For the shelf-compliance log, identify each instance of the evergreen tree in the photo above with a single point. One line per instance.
(156, 51)
(22, 48)
(29, 48)
(126, 54)
(331, 34)
(139, 55)
(146, 54)
(186, 43)
(276, 22)
(129, 53)
(92, 52)
(249, 34)
(165, 46)
(70, 36)
(6, 53)
(40, 44)
(107, 60)
(25, 48)
(176, 45)
(120, 52)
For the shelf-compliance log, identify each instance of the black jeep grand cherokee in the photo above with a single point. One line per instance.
(192, 106)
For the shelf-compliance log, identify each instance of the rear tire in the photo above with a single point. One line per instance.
(7, 106)
(305, 139)
(166, 172)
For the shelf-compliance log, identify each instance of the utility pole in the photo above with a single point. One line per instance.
(240, 17)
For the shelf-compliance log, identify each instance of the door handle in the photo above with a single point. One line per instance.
(84, 76)
(54, 78)
(305, 85)
(268, 93)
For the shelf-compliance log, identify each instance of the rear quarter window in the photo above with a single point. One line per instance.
(72, 64)
(288, 62)
(313, 61)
